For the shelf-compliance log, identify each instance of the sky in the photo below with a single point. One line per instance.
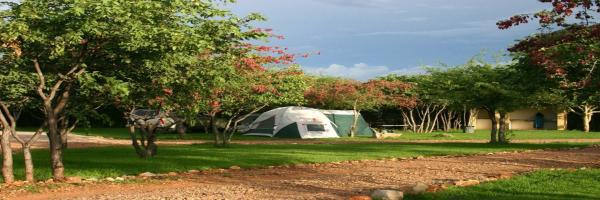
(363, 39)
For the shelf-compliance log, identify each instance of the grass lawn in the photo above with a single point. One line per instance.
(117, 161)
(561, 184)
(123, 133)
(515, 135)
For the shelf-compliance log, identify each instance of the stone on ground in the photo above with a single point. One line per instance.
(466, 183)
(387, 195)
(235, 167)
(73, 179)
(147, 174)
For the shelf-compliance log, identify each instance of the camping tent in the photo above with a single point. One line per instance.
(293, 122)
(343, 120)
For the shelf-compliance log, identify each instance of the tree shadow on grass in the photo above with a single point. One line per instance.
(117, 161)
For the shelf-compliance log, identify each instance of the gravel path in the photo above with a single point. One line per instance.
(331, 180)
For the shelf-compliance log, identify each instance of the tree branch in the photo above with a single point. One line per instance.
(42, 84)
(62, 102)
(8, 118)
(62, 79)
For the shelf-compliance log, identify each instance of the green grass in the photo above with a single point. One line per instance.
(118, 161)
(562, 184)
(123, 133)
(515, 135)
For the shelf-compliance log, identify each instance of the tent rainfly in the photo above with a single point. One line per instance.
(293, 122)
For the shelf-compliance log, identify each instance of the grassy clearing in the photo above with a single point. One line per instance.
(515, 135)
(123, 133)
(117, 161)
(561, 184)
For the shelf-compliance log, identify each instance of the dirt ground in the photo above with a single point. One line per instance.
(327, 181)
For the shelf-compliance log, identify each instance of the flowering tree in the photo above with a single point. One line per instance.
(568, 56)
(335, 93)
(236, 81)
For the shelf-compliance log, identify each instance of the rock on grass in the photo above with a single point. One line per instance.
(387, 195)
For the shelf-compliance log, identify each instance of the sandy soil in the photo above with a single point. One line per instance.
(327, 181)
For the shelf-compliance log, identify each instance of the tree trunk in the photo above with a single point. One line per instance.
(355, 120)
(587, 117)
(134, 142)
(447, 119)
(409, 119)
(494, 131)
(55, 140)
(229, 130)
(7, 159)
(28, 164)
(435, 118)
(354, 128)
(26, 148)
(215, 130)
(151, 147)
(180, 128)
(55, 99)
(146, 146)
(424, 114)
(503, 128)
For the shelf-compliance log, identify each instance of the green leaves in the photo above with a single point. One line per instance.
(133, 52)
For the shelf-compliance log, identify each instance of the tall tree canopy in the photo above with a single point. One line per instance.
(568, 56)
(336, 93)
(103, 48)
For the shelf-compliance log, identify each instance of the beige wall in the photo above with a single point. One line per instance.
(520, 120)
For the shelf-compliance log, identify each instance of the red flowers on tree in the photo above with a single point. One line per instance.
(334, 93)
(559, 15)
(570, 56)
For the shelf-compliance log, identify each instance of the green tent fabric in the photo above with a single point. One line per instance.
(343, 120)
(289, 131)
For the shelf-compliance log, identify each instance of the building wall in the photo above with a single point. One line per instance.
(522, 119)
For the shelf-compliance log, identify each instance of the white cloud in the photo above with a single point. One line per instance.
(360, 71)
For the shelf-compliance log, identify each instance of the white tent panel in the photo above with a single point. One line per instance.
(311, 123)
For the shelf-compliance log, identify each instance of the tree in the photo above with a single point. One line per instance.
(15, 94)
(70, 45)
(432, 102)
(12, 94)
(335, 93)
(495, 89)
(568, 56)
(475, 85)
(242, 81)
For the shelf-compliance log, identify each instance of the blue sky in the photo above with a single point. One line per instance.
(362, 39)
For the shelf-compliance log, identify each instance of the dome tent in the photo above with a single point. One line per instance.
(343, 120)
(293, 122)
